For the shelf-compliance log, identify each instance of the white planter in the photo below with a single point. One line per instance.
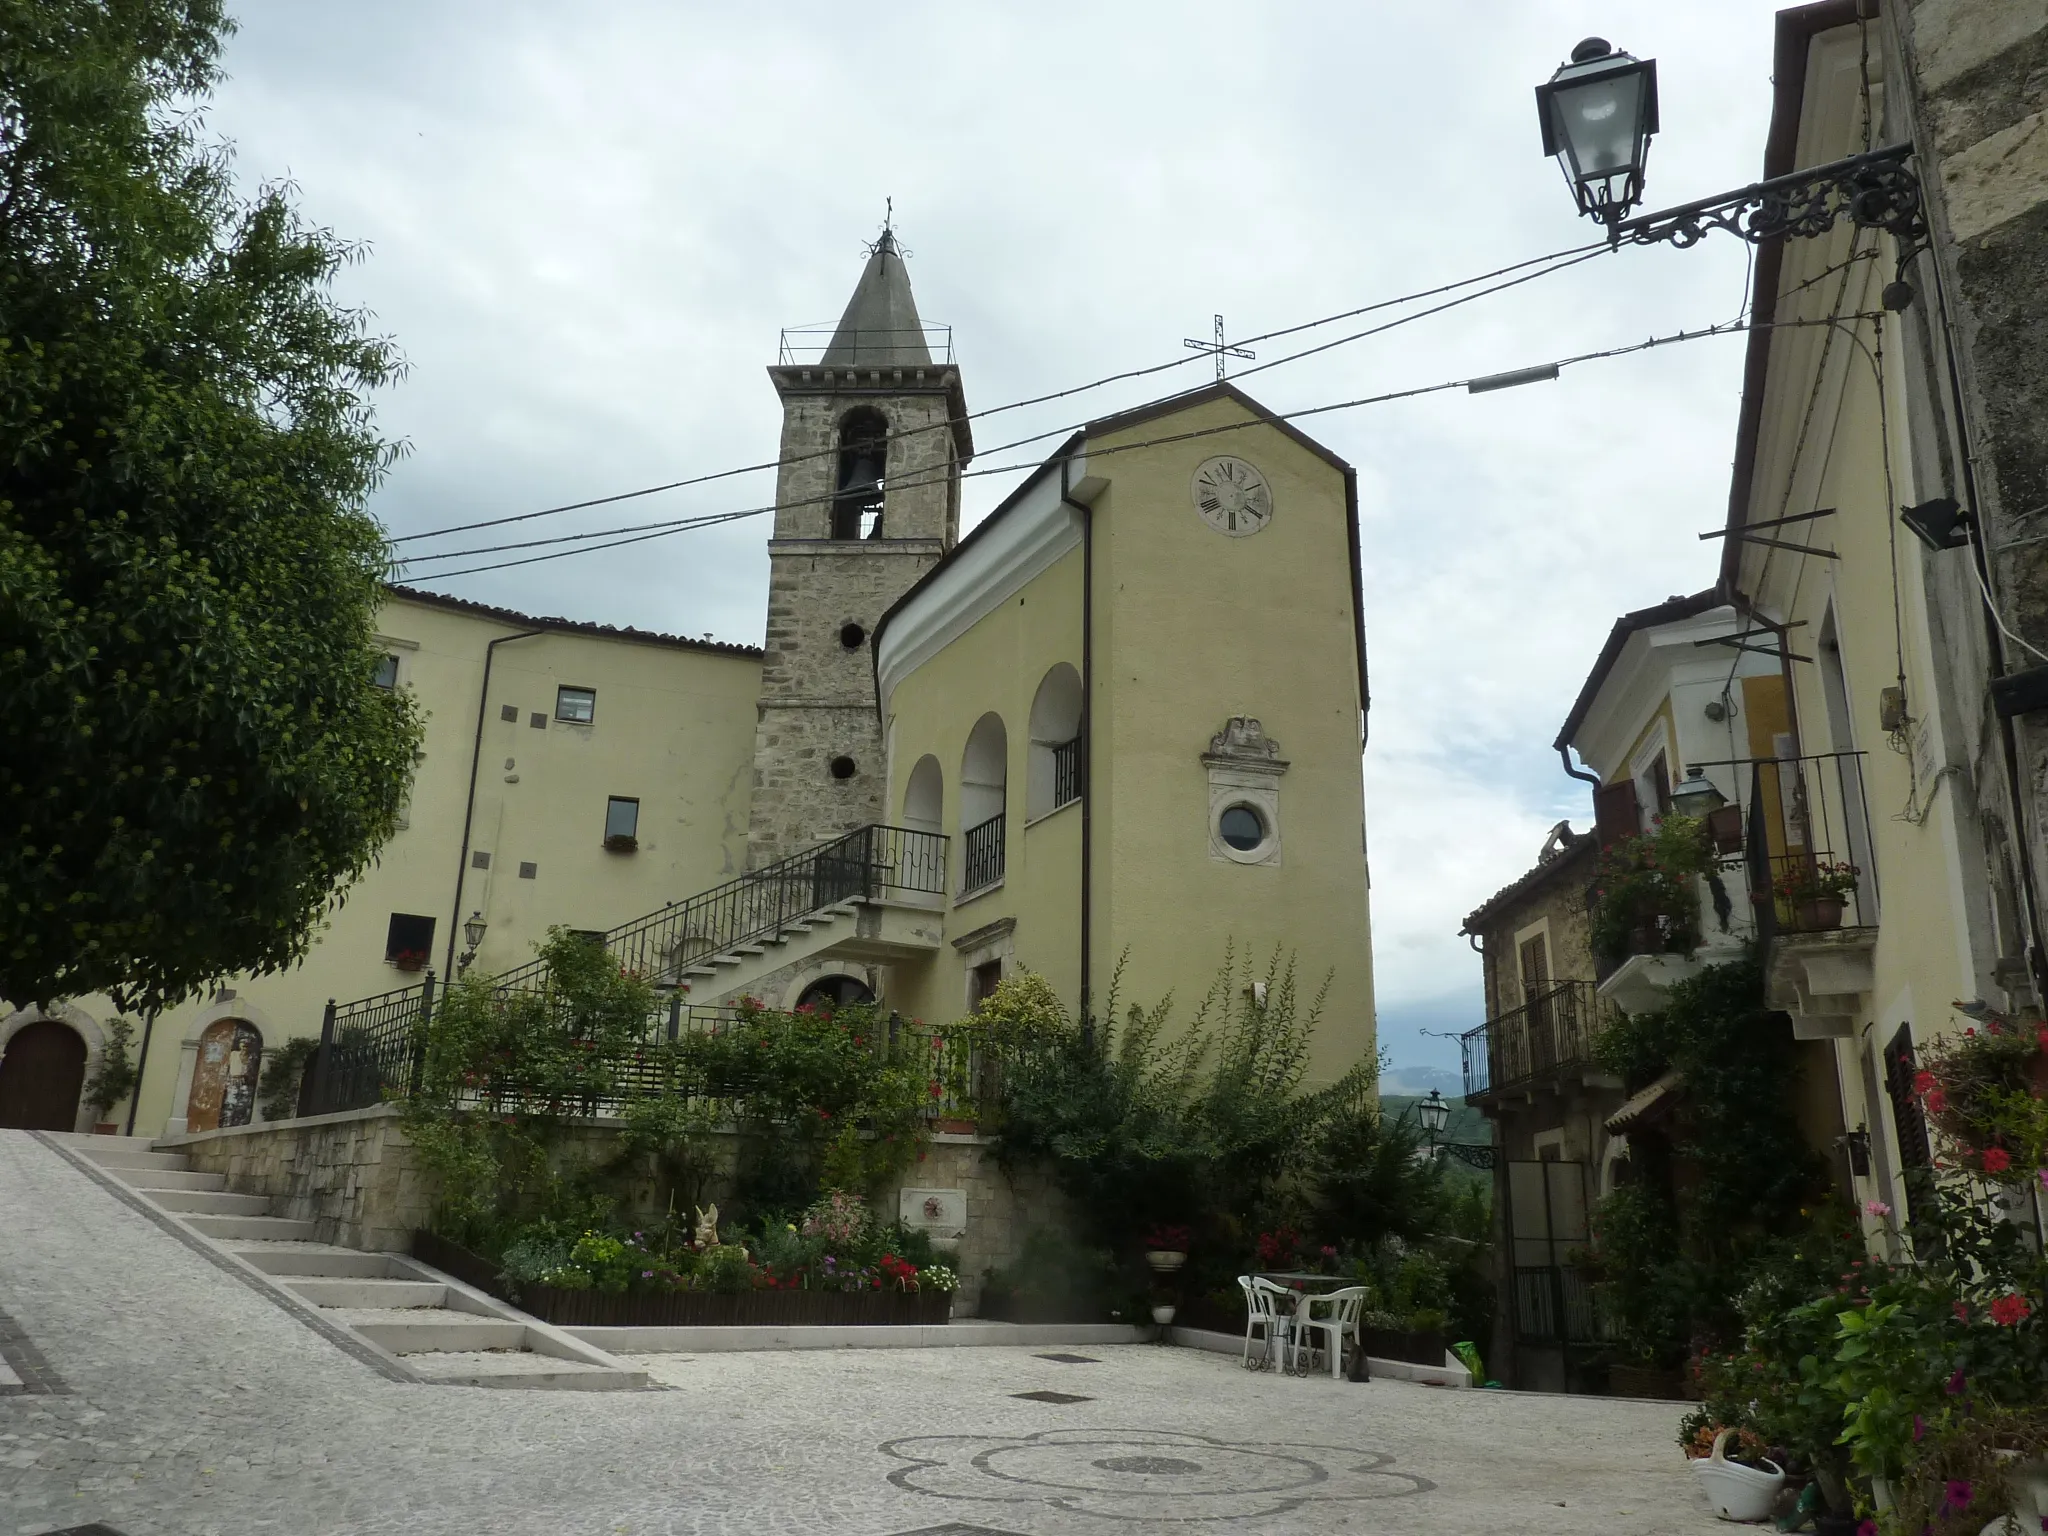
(1738, 1492)
(1162, 1315)
(1165, 1260)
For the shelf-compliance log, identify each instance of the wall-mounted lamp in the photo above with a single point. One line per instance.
(473, 935)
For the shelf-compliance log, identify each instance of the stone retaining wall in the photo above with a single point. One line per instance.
(356, 1176)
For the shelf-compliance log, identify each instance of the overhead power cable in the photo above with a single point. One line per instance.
(1564, 258)
(656, 531)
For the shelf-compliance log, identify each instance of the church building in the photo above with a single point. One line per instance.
(1116, 727)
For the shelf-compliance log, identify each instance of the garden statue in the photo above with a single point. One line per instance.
(707, 1226)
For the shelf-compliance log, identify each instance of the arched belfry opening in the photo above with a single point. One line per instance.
(863, 474)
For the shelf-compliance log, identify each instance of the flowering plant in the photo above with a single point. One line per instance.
(1646, 895)
(937, 1277)
(1281, 1246)
(838, 1217)
(1167, 1239)
(1817, 881)
(1986, 1090)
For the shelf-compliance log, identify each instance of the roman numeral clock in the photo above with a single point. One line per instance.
(1232, 496)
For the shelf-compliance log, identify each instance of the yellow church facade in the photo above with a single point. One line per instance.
(1120, 722)
(1133, 700)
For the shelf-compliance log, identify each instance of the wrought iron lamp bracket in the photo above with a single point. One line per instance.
(1875, 190)
(1472, 1154)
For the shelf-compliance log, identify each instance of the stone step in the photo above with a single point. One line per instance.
(112, 1152)
(521, 1369)
(322, 1263)
(209, 1202)
(328, 1292)
(432, 1330)
(259, 1228)
(167, 1178)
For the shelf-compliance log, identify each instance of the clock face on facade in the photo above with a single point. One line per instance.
(1232, 496)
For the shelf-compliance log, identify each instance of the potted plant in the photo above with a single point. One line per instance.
(113, 1079)
(1816, 893)
(1166, 1249)
(1646, 898)
(408, 959)
(1743, 1486)
(1986, 1089)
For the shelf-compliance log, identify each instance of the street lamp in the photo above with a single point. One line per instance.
(473, 935)
(1434, 1114)
(1697, 795)
(1598, 113)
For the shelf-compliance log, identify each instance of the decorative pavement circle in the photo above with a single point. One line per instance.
(1145, 1474)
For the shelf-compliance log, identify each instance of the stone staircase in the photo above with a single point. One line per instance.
(433, 1328)
(858, 928)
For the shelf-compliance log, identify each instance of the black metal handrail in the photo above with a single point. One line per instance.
(365, 1058)
(981, 854)
(1551, 1032)
(1066, 773)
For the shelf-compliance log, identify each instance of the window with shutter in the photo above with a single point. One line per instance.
(1616, 812)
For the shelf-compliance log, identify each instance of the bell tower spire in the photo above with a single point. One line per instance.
(874, 436)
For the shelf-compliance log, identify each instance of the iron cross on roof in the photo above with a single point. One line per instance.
(1218, 347)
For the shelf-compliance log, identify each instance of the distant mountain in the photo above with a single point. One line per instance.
(1419, 1080)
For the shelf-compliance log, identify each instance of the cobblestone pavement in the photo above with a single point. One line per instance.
(184, 1404)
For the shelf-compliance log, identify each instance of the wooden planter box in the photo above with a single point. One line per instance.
(685, 1309)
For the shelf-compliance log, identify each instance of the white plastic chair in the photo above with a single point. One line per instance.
(1263, 1301)
(1332, 1315)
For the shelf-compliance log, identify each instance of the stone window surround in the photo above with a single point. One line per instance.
(991, 941)
(227, 1007)
(1244, 767)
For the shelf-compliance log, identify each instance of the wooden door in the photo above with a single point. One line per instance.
(1535, 959)
(224, 1080)
(41, 1077)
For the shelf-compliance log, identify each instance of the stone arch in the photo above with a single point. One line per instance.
(802, 978)
(984, 787)
(859, 485)
(80, 1022)
(924, 797)
(226, 1004)
(1053, 765)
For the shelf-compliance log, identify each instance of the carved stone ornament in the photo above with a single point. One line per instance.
(1244, 744)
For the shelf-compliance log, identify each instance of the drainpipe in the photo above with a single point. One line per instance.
(1564, 755)
(1087, 733)
(476, 752)
(141, 1067)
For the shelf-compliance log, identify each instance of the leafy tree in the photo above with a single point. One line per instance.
(198, 761)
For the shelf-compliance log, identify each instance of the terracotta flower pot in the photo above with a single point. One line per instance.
(1819, 913)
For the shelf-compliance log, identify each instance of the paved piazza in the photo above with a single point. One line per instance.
(164, 1398)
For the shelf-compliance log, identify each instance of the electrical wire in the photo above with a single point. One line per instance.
(659, 531)
(1576, 253)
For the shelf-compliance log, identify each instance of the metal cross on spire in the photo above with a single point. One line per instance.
(1218, 347)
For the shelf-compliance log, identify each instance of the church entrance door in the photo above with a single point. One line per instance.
(224, 1081)
(41, 1077)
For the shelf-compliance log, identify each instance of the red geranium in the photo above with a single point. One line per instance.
(2010, 1310)
(1996, 1159)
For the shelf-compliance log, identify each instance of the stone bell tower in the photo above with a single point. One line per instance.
(874, 437)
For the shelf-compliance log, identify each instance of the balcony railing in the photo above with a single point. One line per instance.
(1551, 1032)
(1066, 773)
(981, 855)
(1807, 818)
(368, 1047)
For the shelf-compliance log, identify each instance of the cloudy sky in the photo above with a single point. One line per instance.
(586, 227)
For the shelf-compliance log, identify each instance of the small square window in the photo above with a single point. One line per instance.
(479, 860)
(387, 672)
(621, 824)
(529, 871)
(409, 940)
(576, 706)
(538, 721)
(508, 712)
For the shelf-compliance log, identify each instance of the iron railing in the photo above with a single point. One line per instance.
(809, 343)
(1552, 1031)
(981, 855)
(1066, 773)
(1807, 818)
(1554, 1304)
(367, 1051)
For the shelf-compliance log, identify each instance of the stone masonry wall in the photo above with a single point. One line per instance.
(357, 1177)
(354, 1174)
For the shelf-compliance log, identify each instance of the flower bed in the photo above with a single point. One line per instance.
(685, 1309)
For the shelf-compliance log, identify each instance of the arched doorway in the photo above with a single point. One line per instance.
(831, 992)
(224, 1078)
(41, 1076)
